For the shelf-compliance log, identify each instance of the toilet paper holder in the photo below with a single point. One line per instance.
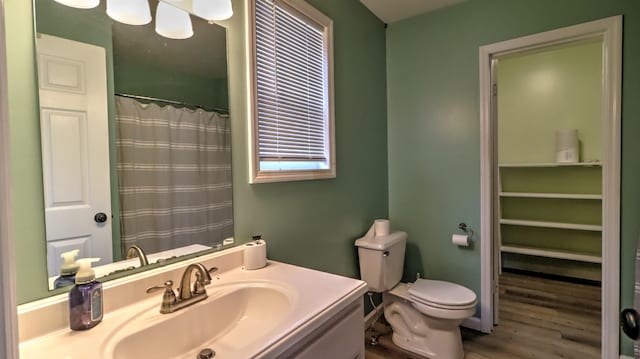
(463, 226)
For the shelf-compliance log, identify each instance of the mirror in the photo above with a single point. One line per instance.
(136, 139)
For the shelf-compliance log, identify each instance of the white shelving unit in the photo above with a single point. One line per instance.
(552, 164)
(575, 226)
(551, 195)
(535, 250)
(551, 254)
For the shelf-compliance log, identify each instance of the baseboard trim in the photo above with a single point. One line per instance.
(472, 323)
(373, 316)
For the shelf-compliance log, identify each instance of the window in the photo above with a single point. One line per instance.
(292, 79)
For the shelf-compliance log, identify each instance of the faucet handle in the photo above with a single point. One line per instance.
(168, 298)
(168, 285)
(198, 287)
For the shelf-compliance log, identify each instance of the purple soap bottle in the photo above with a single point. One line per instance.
(85, 298)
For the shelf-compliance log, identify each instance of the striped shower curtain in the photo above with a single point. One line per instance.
(174, 174)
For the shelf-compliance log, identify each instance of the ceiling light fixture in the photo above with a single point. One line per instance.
(172, 22)
(131, 12)
(213, 10)
(80, 4)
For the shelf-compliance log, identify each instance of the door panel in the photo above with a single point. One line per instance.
(66, 164)
(73, 114)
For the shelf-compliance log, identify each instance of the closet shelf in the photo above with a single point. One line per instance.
(552, 164)
(551, 195)
(551, 254)
(581, 227)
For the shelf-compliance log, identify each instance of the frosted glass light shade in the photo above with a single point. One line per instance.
(80, 4)
(131, 12)
(172, 22)
(213, 9)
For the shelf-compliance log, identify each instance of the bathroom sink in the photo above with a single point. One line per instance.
(277, 311)
(233, 318)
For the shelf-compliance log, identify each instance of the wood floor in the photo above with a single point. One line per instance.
(539, 318)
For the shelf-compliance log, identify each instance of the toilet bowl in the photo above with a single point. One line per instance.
(425, 315)
(424, 326)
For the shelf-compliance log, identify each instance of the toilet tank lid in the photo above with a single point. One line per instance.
(381, 243)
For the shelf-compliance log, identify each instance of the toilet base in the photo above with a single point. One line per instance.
(408, 344)
(452, 352)
(434, 334)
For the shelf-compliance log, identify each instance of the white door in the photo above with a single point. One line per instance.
(75, 148)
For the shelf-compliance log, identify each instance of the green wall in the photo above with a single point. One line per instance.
(315, 223)
(434, 135)
(26, 159)
(149, 79)
(308, 223)
(543, 91)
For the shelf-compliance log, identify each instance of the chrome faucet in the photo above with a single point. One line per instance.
(135, 251)
(188, 292)
(202, 278)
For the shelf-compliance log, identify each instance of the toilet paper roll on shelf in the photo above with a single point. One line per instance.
(461, 240)
(255, 255)
(567, 146)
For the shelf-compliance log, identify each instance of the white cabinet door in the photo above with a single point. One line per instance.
(75, 148)
(341, 337)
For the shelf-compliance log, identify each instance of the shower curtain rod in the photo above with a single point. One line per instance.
(172, 102)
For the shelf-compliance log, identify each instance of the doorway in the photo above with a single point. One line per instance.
(550, 215)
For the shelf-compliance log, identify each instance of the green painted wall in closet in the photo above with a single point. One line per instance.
(542, 91)
(434, 132)
(308, 223)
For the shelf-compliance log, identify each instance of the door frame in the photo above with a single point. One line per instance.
(8, 314)
(610, 31)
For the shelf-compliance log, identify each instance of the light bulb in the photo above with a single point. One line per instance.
(172, 22)
(131, 12)
(213, 9)
(80, 4)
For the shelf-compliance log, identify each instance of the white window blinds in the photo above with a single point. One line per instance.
(292, 95)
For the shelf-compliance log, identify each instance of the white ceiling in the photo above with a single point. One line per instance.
(391, 11)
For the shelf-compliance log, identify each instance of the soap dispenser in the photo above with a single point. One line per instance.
(68, 270)
(85, 298)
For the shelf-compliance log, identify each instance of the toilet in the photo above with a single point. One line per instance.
(425, 315)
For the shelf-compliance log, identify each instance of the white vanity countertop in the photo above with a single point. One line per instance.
(313, 297)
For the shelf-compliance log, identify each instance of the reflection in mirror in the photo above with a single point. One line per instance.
(136, 139)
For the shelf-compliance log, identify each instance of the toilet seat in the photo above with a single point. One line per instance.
(443, 306)
(443, 295)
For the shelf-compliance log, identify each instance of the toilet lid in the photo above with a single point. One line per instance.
(444, 293)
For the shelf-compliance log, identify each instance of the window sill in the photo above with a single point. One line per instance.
(288, 176)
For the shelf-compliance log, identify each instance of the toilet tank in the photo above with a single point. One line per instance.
(381, 260)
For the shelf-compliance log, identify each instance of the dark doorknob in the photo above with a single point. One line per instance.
(630, 322)
(100, 217)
